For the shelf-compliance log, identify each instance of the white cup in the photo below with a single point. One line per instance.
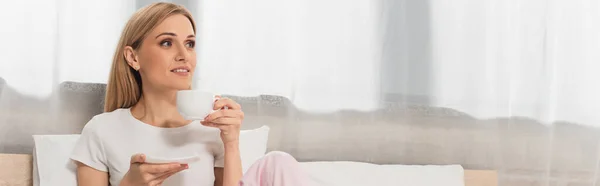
(195, 104)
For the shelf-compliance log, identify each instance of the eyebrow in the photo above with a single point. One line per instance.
(172, 34)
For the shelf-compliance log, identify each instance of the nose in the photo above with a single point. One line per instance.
(183, 54)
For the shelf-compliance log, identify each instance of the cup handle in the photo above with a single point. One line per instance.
(224, 108)
(215, 98)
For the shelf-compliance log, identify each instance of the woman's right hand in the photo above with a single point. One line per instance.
(144, 174)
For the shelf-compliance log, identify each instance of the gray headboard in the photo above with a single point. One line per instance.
(520, 148)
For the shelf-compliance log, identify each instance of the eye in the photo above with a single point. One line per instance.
(166, 43)
(190, 44)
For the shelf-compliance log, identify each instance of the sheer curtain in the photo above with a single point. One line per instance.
(533, 58)
(487, 58)
(536, 59)
(317, 53)
(48, 42)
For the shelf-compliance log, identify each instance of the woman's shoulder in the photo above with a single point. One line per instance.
(116, 114)
(106, 120)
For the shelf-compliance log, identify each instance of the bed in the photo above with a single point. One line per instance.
(17, 171)
(395, 135)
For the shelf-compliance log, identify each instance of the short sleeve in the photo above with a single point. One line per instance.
(219, 154)
(89, 149)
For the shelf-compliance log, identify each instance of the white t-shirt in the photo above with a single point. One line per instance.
(109, 140)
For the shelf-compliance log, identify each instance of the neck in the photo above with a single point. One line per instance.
(158, 108)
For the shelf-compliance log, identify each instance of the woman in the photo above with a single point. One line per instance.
(155, 58)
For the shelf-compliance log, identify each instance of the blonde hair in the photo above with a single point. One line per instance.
(124, 87)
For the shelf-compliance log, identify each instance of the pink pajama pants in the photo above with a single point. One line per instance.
(275, 169)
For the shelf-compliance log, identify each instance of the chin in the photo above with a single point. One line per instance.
(180, 87)
(184, 88)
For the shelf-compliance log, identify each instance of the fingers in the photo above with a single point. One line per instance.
(222, 102)
(138, 158)
(158, 181)
(224, 114)
(219, 126)
(227, 121)
(161, 177)
(207, 124)
(161, 168)
(171, 172)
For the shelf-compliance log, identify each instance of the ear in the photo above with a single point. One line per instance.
(131, 57)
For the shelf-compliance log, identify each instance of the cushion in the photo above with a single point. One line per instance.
(52, 165)
(347, 173)
(253, 145)
(51, 162)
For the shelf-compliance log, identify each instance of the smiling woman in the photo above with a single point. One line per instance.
(137, 56)
(155, 59)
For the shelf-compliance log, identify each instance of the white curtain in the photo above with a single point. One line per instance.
(488, 58)
(536, 59)
(320, 54)
(48, 42)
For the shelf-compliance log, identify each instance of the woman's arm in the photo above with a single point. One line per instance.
(89, 176)
(231, 173)
(228, 119)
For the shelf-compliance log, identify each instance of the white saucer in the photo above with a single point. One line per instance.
(193, 118)
(180, 160)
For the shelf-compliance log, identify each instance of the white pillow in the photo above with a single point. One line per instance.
(52, 166)
(253, 145)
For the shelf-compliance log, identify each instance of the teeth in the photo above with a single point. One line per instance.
(180, 70)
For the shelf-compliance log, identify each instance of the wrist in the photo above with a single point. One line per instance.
(232, 144)
(124, 181)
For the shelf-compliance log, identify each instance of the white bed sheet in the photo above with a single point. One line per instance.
(344, 173)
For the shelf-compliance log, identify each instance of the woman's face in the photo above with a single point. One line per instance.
(167, 57)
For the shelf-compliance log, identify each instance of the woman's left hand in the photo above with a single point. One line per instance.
(227, 117)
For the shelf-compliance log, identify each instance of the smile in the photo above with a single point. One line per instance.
(180, 70)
